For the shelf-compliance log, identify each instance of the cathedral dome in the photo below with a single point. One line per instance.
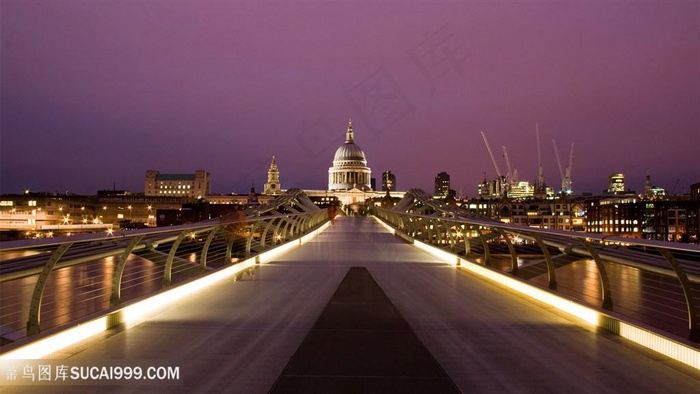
(349, 170)
(349, 152)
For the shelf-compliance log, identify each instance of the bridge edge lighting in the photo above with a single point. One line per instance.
(639, 335)
(135, 313)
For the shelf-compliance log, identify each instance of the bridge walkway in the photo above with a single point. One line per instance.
(240, 336)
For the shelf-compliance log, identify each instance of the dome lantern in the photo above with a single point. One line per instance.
(349, 137)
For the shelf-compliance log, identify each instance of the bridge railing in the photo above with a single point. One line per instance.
(51, 282)
(656, 283)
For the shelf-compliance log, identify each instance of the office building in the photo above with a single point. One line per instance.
(194, 186)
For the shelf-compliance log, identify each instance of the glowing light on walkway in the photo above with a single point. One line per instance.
(668, 347)
(136, 313)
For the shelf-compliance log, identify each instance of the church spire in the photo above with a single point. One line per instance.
(349, 135)
(272, 186)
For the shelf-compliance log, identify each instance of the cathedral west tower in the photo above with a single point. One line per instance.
(272, 186)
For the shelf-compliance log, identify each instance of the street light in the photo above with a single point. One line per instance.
(151, 218)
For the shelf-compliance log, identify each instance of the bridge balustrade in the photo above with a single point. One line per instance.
(655, 283)
(52, 282)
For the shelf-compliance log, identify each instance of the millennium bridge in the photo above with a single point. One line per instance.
(417, 297)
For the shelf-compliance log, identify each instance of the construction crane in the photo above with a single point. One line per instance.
(502, 186)
(568, 189)
(540, 171)
(510, 176)
(673, 192)
(566, 183)
(493, 159)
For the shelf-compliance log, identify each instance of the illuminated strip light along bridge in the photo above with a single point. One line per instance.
(88, 273)
(651, 284)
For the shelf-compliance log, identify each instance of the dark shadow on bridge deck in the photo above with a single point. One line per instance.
(362, 344)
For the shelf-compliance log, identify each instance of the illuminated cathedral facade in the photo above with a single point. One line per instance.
(349, 170)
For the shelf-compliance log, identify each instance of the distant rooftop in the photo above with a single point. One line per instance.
(175, 177)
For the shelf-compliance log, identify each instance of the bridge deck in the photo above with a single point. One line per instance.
(239, 337)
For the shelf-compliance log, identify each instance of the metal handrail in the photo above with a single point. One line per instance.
(240, 236)
(448, 229)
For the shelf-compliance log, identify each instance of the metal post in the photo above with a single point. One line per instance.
(487, 251)
(467, 244)
(277, 229)
(287, 231)
(117, 274)
(511, 249)
(249, 242)
(33, 322)
(693, 312)
(168, 270)
(603, 274)
(229, 247)
(263, 236)
(205, 249)
(552, 276)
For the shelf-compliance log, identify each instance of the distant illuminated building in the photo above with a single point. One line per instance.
(493, 189)
(616, 183)
(38, 214)
(197, 185)
(523, 189)
(272, 186)
(647, 185)
(388, 181)
(695, 192)
(442, 185)
(558, 215)
(651, 191)
(349, 170)
(619, 216)
(657, 191)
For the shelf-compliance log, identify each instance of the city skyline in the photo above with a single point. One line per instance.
(94, 95)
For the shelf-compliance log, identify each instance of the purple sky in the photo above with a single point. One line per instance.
(94, 95)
